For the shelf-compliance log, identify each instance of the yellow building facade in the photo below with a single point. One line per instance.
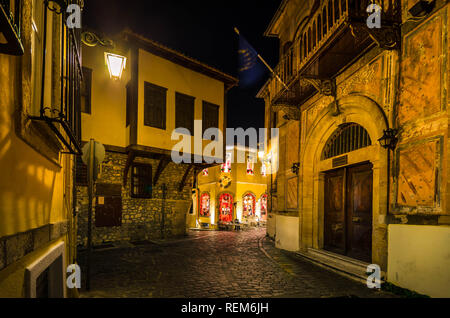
(39, 126)
(138, 118)
(233, 191)
(365, 119)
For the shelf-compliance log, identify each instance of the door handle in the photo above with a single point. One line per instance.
(356, 220)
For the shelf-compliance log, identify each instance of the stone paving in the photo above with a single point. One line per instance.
(214, 265)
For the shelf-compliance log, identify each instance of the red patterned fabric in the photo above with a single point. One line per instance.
(226, 208)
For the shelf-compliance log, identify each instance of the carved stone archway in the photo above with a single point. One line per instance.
(367, 113)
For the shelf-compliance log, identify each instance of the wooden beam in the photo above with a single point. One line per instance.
(130, 160)
(183, 180)
(161, 166)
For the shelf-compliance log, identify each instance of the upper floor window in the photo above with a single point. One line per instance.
(250, 165)
(226, 167)
(155, 101)
(210, 116)
(184, 112)
(128, 104)
(52, 60)
(263, 169)
(348, 138)
(86, 91)
(141, 181)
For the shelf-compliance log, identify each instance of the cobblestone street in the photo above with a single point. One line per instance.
(214, 265)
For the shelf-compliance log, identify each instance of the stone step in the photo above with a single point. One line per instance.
(340, 264)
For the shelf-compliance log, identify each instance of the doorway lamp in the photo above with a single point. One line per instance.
(389, 139)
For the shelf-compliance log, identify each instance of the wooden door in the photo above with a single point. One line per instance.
(335, 235)
(359, 220)
(348, 212)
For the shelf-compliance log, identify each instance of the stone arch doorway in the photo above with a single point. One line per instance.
(359, 111)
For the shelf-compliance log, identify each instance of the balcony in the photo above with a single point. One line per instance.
(336, 35)
(10, 17)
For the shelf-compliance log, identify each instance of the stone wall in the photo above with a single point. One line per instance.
(141, 218)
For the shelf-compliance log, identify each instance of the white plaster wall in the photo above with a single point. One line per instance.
(419, 258)
(287, 233)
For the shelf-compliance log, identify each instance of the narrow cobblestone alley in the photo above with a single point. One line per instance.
(214, 265)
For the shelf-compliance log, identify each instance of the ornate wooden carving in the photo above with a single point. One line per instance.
(326, 87)
(291, 112)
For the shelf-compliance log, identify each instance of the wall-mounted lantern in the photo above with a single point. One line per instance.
(295, 168)
(389, 139)
(116, 64)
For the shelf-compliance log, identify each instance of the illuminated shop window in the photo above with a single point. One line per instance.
(226, 208)
(248, 205)
(205, 172)
(204, 205)
(226, 167)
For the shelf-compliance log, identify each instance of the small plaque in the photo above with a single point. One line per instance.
(341, 161)
(101, 200)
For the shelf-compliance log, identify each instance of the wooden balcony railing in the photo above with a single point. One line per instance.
(331, 17)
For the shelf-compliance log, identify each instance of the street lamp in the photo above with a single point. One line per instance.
(116, 64)
(389, 139)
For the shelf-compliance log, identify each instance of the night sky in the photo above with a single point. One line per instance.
(203, 30)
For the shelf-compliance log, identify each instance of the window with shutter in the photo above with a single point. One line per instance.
(210, 116)
(155, 101)
(141, 181)
(86, 89)
(184, 111)
(128, 106)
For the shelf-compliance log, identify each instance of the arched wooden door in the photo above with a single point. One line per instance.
(226, 207)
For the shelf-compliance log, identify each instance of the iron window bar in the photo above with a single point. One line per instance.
(69, 114)
(10, 24)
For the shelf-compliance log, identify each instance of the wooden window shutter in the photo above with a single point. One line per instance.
(184, 111)
(155, 101)
(86, 90)
(210, 116)
(141, 181)
(128, 105)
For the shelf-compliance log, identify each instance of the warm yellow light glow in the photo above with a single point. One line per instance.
(116, 65)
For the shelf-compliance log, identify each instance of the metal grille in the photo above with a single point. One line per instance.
(64, 117)
(347, 138)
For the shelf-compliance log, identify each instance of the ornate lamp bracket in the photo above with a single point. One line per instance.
(92, 39)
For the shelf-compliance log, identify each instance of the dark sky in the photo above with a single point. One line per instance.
(203, 30)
